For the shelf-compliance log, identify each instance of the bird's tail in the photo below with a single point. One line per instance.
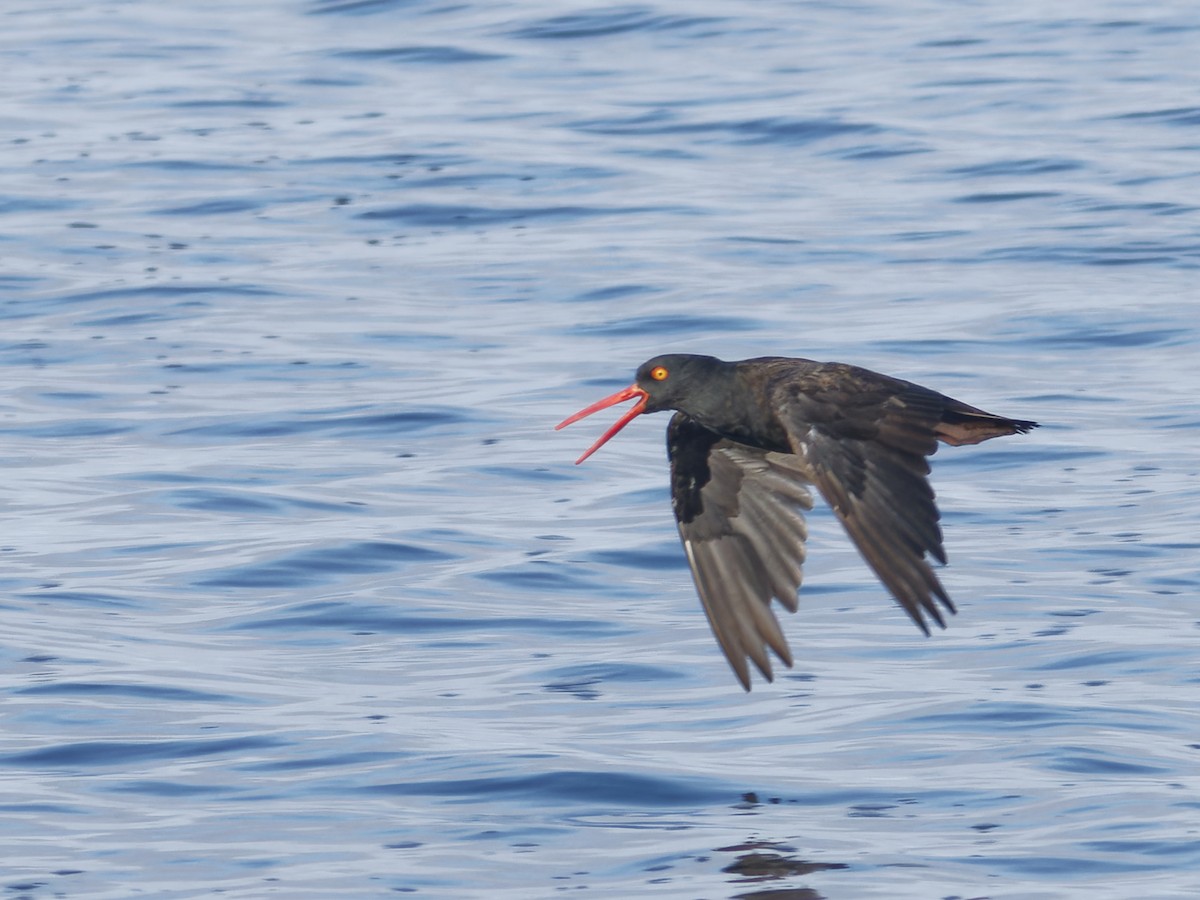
(962, 424)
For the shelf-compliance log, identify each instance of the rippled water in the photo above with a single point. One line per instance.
(302, 595)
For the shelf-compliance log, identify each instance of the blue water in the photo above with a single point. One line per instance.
(302, 595)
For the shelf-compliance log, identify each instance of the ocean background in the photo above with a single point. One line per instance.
(302, 596)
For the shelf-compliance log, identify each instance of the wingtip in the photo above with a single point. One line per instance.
(936, 615)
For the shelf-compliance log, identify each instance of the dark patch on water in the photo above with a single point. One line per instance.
(315, 763)
(423, 55)
(229, 103)
(587, 681)
(164, 291)
(138, 691)
(210, 208)
(1016, 168)
(616, 292)
(248, 503)
(326, 564)
(360, 7)
(124, 753)
(545, 576)
(159, 788)
(664, 325)
(668, 557)
(773, 130)
(1181, 116)
(445, 216)
(590, 788)
(398, 424)
(603, 23)
(1005, 196)
(16, 205)
(72, 429)
(1082, 761)
(83, 598)
(365, 619)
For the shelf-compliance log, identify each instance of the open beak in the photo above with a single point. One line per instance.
(619, 397)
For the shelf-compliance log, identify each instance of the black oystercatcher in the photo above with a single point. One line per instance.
(748, 437)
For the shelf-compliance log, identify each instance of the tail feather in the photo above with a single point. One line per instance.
(962, 424)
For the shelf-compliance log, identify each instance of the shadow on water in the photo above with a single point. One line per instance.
(761, 862)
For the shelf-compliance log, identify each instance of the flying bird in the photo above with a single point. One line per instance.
(747, 440)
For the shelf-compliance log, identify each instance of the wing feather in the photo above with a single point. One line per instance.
(869, 461)
(740, 516)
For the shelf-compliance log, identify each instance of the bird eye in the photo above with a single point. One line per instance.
(659, 373)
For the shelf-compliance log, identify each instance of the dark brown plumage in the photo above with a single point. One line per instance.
(746, 440)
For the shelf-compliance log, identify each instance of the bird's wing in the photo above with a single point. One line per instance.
(740, 517)
(864, 442)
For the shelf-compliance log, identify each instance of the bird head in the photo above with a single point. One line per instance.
(661, 383)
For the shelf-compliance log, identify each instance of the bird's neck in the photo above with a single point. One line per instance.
(733, 409)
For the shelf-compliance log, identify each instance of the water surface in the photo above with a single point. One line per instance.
(302, 594)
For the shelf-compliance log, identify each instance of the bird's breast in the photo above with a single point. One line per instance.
(762, 435)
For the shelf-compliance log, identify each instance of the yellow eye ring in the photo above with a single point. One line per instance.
(659, 373)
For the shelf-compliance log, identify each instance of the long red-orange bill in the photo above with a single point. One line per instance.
(619, 397)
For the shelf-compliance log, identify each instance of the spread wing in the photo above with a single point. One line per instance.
(740, 516)
(865, 443)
